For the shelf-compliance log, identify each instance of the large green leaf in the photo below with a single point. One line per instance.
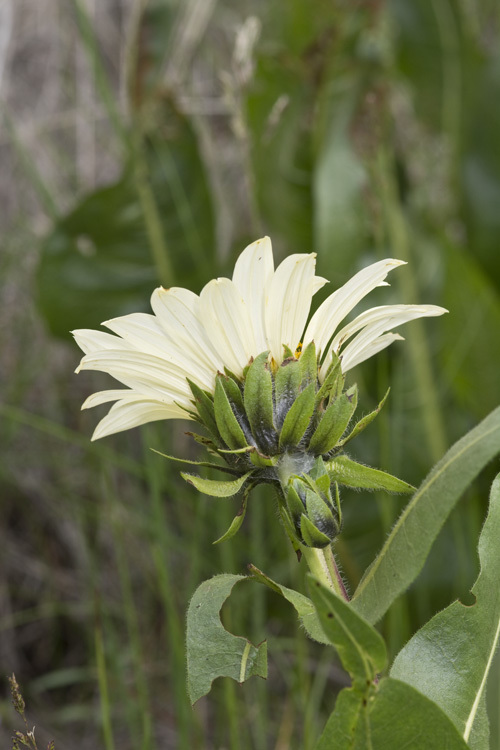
(385, 715)
(450, 657)
(361, 649)
(394, 717)
(211, 650)
(303, 606)
(98, 261)
(406, 549)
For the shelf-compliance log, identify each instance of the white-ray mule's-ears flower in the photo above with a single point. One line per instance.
(267, 386)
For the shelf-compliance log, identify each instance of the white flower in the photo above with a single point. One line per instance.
(230, 322)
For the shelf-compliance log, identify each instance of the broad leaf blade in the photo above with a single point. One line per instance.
(393, 717)
(211, 651)
(406, 549)
(361, 649)
(449, 658)
(303, 606)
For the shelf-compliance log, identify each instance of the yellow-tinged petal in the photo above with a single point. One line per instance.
(288, 302)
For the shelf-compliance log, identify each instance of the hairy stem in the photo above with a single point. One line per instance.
(322, 564)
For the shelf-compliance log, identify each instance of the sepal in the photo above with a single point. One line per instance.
(214, 487)
(334, 422)
(364, 421)
(348, 472)
(227, 424)
(298, 418)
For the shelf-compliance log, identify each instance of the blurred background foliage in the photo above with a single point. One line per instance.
(147, 142)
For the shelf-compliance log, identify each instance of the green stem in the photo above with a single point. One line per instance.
(322, 564)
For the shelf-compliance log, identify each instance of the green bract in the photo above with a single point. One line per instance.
(279, 425)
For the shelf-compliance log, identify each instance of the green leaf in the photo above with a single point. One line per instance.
(406, 549)
(450, 657)
(286, 389)
(214, 487)
(303, 606)
(392, 717)
(258, 399)
(364, 421)
(227, 424)
(211, 651)
(237, 520)
(361, 649)
(298, 418)
(334, 422)
(346, 471)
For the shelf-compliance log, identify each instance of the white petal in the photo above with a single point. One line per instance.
(144, 333)
(288, 302)
(178, 312)
(334, 309)
(318, 283)
(143, 372)
(369, 351)
(94, 341)
(252, 274)
(125, 415)
(227, 323)
(104, 397)
(385, 322)
(375, 315)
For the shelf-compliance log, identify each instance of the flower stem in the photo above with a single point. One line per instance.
(322, 564)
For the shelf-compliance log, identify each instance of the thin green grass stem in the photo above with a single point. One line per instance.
(419, 351)
(39, 183)
(151, 213)
(48, 427)
(91, 47)
(428, 395)
(161, 542)
(107, 728)
(142, 707)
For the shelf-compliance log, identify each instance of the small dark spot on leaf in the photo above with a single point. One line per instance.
(330, 615)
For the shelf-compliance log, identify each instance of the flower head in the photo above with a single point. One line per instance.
(230, 323)
(267, 385)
